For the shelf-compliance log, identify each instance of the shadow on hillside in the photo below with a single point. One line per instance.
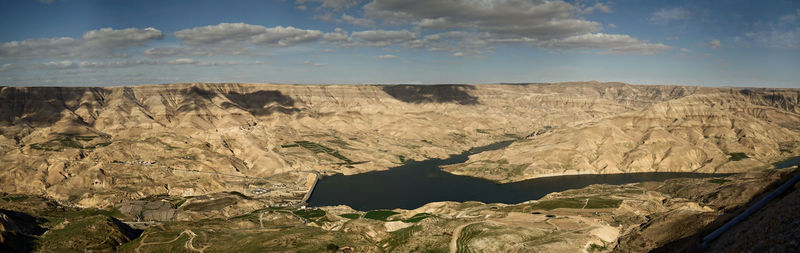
(432, 93)
(43, 106)
(20, 237)
(261, 103)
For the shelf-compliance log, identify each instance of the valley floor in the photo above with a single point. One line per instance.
(626, 218)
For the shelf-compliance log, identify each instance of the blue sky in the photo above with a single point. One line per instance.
(109, 42)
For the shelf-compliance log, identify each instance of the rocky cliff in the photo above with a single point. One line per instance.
(98, 146)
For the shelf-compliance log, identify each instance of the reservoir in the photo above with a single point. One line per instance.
(417, 183)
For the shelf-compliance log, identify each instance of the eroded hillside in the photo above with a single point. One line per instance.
(98, 146)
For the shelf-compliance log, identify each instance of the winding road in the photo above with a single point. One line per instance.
(189, 243)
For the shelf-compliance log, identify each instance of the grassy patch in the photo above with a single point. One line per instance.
(418, 217)
(718, 181)
(177, 202)
(577, 203)
(468, 233)
(596, 248)
(737, 156)
(400, 237)
(113, 212)
(309, 213)
(379, 214)
(319, 148)
(68, 141)
(188, 157)
(351, 215)
(210, 205)
(14, 198)
(289, 146)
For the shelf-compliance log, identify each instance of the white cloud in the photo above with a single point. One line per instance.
(685, 50)
(96, 43)
(613, 43)
(714, 43)
(381, 38)
(453, 41)
(386, 56)
(68, 64)
(550, 24)
(601, 7)
(783, 33)
(235, 33)
(331, 4)
(223, 33)
(338, 36)
(458, 54)
(533, 19)
(612, 26)
(313, 64)
(777, 38)
(362, 22)
(665, 16)
(163, 51)
(110, 39)
(181, 61)
(286, 36)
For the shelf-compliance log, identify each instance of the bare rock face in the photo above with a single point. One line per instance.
(710, 133)
(97, 147)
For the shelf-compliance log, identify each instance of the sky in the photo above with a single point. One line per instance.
(123, 42)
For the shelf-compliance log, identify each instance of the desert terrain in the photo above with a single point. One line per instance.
(227, 167)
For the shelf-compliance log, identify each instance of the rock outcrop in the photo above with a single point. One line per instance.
(98, 146)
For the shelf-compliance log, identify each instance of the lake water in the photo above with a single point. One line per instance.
(417, 183)
(788, 163)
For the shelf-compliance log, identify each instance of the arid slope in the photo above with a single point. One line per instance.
(98, 146)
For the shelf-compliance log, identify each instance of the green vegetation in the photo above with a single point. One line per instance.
(737, 156)
(289, 146)
(351, 215)
(96, 232)
(332, 247)
(718, 180)
(597, 248)
(309, 213)
(786, 151)
(577, 203)
(188, 157)
(178, 202)
(85, 138)
(68, 141)
(319, 148)
(399, 237)
(15, 198)
(418, 217)
(210, 205)
(468, 233)
(379, 214)
(402, 158)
